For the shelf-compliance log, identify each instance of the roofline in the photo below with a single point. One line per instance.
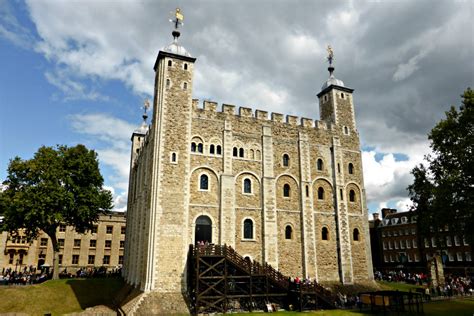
(162, 54)
(335, 86)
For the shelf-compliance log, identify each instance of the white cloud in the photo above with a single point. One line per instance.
(113, 148)
(405, 70)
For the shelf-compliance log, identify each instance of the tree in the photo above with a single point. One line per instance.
(443, 192)
(61, 185)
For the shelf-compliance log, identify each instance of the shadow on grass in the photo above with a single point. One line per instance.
(97, 291)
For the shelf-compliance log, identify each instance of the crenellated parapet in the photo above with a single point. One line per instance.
(230, 110)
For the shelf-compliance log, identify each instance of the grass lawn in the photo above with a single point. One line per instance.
(59, 296)
(398, 286)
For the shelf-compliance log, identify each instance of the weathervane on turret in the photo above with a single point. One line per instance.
(146, 106)
(330, 59)
(178, 20)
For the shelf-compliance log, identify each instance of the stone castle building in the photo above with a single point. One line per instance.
(278, 189)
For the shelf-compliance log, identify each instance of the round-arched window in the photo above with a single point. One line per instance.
(248, 229)
(286, 190)
(320, 164)
(355, 234)
(352, 196)
(288, 232)
(320, 193)
(204, 182)
(286, 160)
(324, 233)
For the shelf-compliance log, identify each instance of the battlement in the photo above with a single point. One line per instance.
(230, 110)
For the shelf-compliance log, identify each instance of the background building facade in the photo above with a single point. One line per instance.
(400, 245)
(283, 190)
(103, 246)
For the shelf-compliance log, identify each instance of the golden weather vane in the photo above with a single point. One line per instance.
(330, 54)
(178, 18)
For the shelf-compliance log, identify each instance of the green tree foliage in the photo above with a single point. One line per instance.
(443, 191)
(61, 185)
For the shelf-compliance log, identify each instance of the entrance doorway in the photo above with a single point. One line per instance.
(203, 231)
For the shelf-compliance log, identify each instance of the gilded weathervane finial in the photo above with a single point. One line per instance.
(330, 54)
(146, 106)
(178, 20)
(330, 59)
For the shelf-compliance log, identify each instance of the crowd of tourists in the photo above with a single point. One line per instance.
(400, 276)
(31, 275)
(27, 275)
(454, 286)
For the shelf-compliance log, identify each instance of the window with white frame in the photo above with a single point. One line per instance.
(459, 256)
(464, 241)
(389, 244)
(408, 243)
(385, 258)
(414, 243)
(417, 257)
(457, 240)
(451, 256)
(384, 245)
(448, 241)
(433, 242)
(402, 244)
(468, 256)
(396, 244)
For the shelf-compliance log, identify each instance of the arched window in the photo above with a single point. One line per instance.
(241, 152)
(248, 229)
(257, 154)
(170, 63)
(342, 95)
(351, 168)
(286, 160)
(247, 186)
(204, 182)
(352, 196)
(235, 151)
(185, 86)
(252, 154)
(200, 148)
(320, 193)
(320, 164)
(211, 149)
(168, 83)
(288, 232)
(193, 147)
(173, 157)
(218, 150)
(185, 66)
(324, 233)
(286, 190)
(346, 130)
(355, 234)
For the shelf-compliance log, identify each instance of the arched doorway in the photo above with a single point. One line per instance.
(203, 231)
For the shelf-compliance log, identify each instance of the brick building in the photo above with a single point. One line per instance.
(103, 246)
(396, 243)
(281, 190)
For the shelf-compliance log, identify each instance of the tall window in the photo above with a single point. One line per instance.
(241, 152)
(75, 259)
(248, 229)
(185, 66)
(173, 157)
(168, 83)
(286, 190)
(212, 149)
(351, 168)
(320, 164)
(320, 193)
(352, 196)
(218, 150)
(324, 233)
(235, 152)
(355, 234)
(288, 232)
(286, 160)
(170, 63)
(247, 186)
(185, 86)
(204, 182)
(200, 148)
(193, 147)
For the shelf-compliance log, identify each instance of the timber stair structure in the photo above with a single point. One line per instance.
(220, 280)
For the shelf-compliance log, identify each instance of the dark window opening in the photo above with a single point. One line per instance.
(352, 196)
(248, 229)
(247, 186)
(341, 195)
(185, 66)
(241, 152)
(288, 232)
(324, 233)
(286, 190)
(339, 168)
(168, 83)
(204, 182)
(286, 160)
(351, 168)
(234, 152)
(320, 193)
(212, 149)
(307, 191)
(355, 234)
(185, 86)
(193, 147)
(170, 63)
(173, 157)
(200, 148)
(218, 150)
(320, 164)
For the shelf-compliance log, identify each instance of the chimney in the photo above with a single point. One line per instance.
(376, 216)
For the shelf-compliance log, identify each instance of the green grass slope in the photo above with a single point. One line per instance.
(59, 296)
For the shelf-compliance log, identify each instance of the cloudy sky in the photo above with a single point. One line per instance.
(78, 72)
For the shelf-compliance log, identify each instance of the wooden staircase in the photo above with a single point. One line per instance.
(221, 280)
